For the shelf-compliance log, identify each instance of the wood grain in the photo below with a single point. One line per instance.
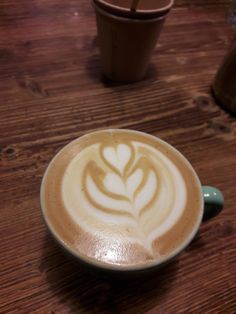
(51, 92)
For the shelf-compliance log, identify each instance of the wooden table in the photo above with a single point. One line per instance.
(50, 93)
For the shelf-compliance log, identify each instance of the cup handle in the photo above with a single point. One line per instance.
(213, 202)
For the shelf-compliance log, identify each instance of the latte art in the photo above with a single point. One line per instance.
(121, 197)
(129, 189)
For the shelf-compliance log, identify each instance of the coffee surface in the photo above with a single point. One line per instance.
(121, 197)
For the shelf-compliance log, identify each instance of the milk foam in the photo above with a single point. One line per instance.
(128, 190)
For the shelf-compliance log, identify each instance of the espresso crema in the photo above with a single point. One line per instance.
(121, 197)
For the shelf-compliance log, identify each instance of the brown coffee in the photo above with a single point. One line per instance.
(121, 197)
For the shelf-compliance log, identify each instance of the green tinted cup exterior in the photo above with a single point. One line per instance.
(213, 201)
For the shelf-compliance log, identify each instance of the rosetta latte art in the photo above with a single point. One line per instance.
(130, 191)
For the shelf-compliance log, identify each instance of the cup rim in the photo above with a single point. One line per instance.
(99, 265)
(126, 18)
(127, 12)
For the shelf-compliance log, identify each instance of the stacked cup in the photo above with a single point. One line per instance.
(128, 31)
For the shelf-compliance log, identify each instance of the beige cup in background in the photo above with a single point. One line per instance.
(126, 44)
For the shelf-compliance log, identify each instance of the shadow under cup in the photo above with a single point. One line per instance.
(127, 43)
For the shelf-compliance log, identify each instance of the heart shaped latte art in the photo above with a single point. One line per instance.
(117, 157)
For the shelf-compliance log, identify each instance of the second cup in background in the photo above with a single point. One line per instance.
(126, 44)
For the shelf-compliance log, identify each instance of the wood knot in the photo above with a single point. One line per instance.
(204, 102)
(224, 229)
(27, 44)
(32, 86)
(8, 153)
(220, 127)
(181, 60)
